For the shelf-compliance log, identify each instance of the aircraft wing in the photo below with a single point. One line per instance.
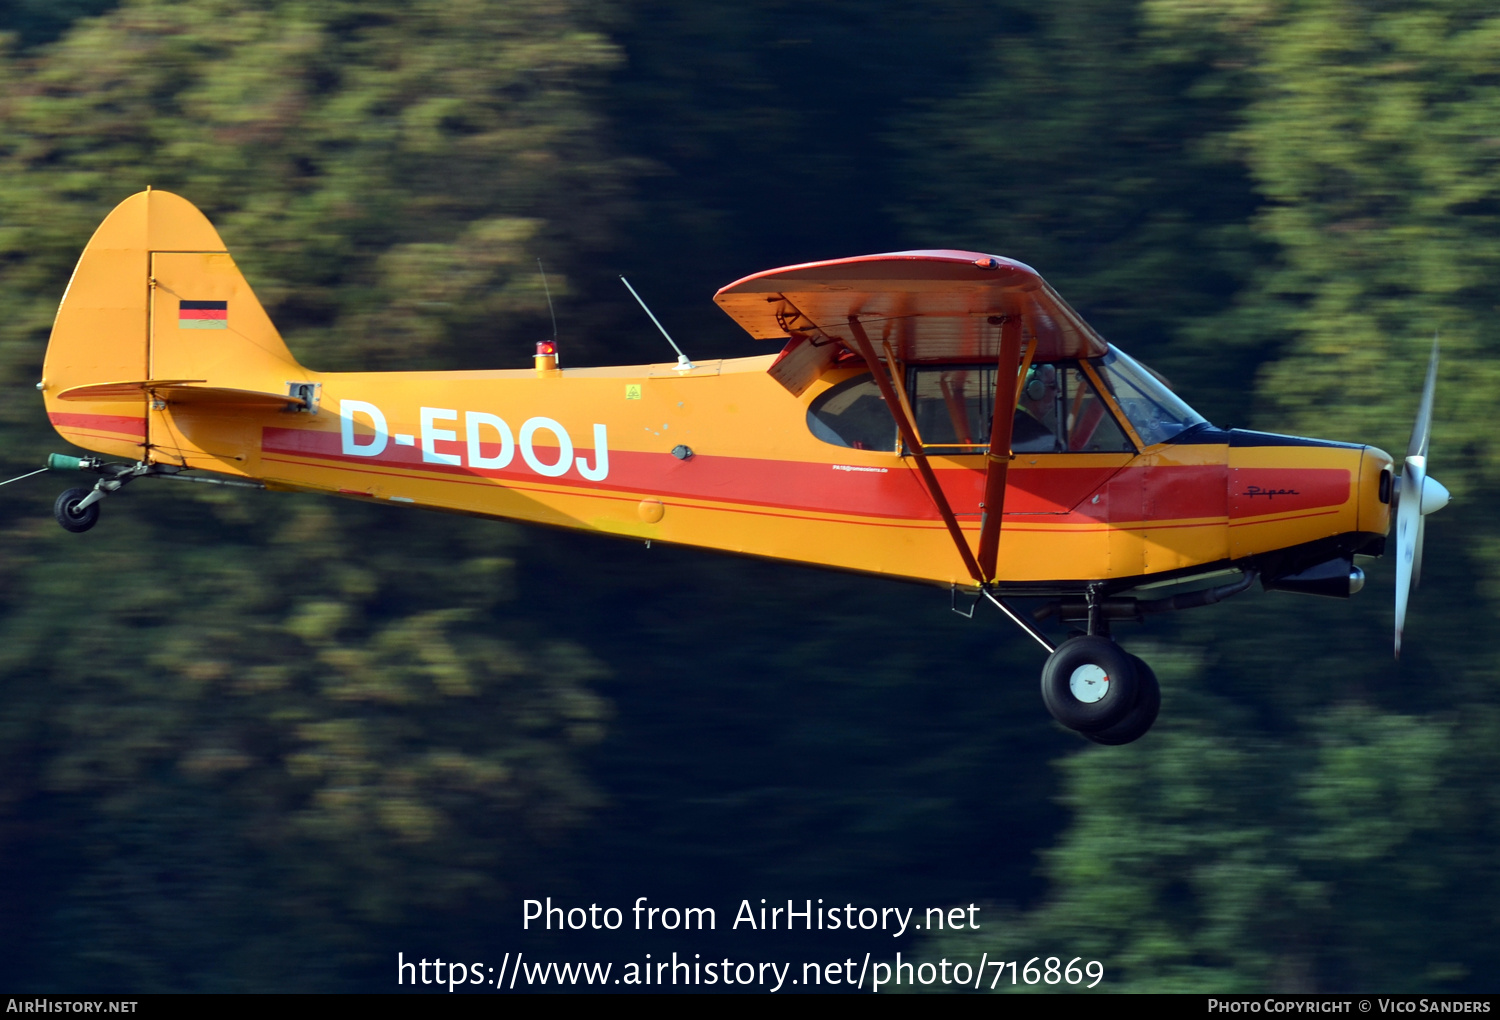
(929, 306)
(920, 306)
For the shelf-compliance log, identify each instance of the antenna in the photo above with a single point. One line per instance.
(683, 364)
(548, 290)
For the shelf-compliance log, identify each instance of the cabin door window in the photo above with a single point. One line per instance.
(1059, 411)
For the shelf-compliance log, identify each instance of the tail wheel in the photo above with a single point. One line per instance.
(69, 516)
(1089, 684)
(1141, 716)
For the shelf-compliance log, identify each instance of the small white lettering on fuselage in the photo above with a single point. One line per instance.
(479, 428)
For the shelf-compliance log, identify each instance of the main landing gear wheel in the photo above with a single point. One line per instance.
(69, 516)
(1141, 716)
(1089, 684)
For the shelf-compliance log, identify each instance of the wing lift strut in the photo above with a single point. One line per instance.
(1012, 364)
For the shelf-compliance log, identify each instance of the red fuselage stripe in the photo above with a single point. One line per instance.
(117, 423)
(1058, 494)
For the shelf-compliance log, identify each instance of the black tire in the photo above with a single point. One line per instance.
(1139, 719)
(69, 516)
(1087, 667)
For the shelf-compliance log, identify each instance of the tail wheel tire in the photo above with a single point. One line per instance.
(1089, 683)
(69, 516)
(1142, 715)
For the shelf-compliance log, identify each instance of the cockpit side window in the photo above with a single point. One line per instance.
(1059, 411)
(952, 406)
(853, 414)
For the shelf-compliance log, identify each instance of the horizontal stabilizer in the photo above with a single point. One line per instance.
(178, 391)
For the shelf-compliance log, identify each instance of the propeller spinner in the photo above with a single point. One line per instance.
(1416, 497)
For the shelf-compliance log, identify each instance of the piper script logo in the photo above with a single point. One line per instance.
(490, 444)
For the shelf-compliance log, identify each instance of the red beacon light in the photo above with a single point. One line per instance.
(546, 356)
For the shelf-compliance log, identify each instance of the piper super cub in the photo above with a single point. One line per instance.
(869, 443)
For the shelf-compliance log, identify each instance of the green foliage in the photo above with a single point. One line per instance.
(1371, 136)
(762, 130)
(339, 694)
(36, 22)
(1311, 824)
(257, 739)
(1219, 857)
(316, 722)
(388, 173)
(1082, 149)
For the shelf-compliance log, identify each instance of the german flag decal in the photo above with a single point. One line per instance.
(203, 315)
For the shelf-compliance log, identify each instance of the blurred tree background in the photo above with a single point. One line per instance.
(266, 742)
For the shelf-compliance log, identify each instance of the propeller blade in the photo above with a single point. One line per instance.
(1408, 529)
(1421, 429)
(1418, 496)
(1416, 560)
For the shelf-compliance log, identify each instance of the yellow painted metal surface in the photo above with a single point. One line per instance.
(720, 456)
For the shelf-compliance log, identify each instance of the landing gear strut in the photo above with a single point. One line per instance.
(77, 510)
(1090, 684)
(1094, 687)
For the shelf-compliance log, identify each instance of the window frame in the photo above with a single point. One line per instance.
(906, 393)
(1086, 369)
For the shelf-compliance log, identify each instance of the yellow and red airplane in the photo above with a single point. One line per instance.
(869, 443)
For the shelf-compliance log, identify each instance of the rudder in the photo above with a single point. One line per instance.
(155, 297)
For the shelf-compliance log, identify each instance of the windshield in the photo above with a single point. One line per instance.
(1157, 413)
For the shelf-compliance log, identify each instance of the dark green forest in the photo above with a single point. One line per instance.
(262, 742)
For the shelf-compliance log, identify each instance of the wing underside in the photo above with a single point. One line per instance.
(910, 308)
(921, 306)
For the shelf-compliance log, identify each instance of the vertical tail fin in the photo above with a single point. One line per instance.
(155, 297)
